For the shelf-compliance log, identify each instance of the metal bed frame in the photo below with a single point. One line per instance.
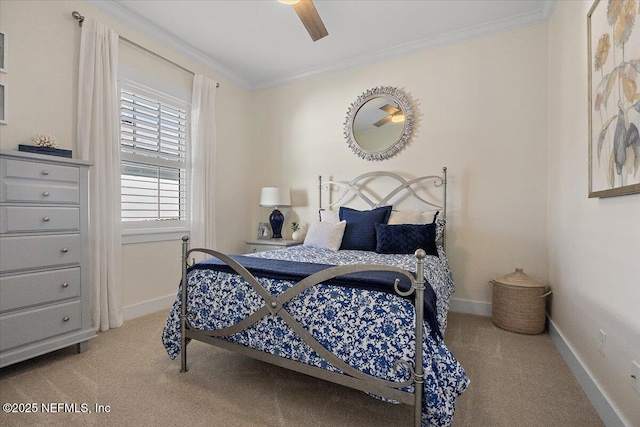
(355, 188)
(274, 305)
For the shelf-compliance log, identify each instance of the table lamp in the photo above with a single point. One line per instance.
(274, 197)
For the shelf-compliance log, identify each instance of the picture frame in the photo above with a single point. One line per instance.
(3, 52)
(3, 104)
(264, 231)
(613, 53)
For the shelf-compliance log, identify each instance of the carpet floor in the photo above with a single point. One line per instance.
(516, 380)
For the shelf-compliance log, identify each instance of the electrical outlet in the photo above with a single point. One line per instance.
(603, 342)
(636, 376)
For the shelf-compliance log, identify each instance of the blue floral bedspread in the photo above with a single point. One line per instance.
(369, 330)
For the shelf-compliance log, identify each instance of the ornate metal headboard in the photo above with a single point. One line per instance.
(356, 189)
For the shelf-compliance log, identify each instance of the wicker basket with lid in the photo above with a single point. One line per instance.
(519, 303)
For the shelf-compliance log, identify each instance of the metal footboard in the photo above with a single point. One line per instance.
(273, 304)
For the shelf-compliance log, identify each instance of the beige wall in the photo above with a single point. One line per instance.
(43, 53)
(481, 108)
(593, 244)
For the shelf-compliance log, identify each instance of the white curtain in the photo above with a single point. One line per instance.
(203, 163)
(97, 134)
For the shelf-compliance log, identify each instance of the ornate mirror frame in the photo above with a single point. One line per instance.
(395, 146)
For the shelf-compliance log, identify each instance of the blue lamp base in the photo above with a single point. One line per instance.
(276, 219)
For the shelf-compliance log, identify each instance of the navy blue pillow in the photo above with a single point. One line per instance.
(360, 233)
(406, 238)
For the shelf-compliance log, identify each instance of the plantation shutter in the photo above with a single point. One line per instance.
(153, 141)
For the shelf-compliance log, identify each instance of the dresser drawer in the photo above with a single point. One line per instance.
(34, 325)
(39, 192)
(23, 290)
(16, 219)
(36, 170)
(19, 253)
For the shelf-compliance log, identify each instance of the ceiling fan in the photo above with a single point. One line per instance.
(309, 16)
(394, 115)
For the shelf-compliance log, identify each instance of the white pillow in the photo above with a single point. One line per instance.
(332, 217)
(411, 217)
(404, 217)
(325, 235)
(428, 217)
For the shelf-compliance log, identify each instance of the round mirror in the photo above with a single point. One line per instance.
(379, 123)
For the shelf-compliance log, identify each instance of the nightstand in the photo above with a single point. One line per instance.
(269, 245)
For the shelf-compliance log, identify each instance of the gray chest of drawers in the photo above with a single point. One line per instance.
(44, 255)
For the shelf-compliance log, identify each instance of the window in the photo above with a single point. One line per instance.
(153, 142)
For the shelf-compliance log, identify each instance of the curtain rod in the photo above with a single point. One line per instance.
(76, 15)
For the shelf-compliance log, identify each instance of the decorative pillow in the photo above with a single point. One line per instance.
(412, 217)
(428, 217)
(325, 235)
(405, 217)
(406, 238)
(329, 216)
(360, 233)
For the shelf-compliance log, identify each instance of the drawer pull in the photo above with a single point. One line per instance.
(45, 172)
(45, 219)
(65, 285)
(66, 319)
(45, 194)
(65, 250)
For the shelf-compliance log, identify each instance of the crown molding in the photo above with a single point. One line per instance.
(537, 17)
(148, 29)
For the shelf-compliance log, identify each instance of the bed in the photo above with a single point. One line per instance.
(349, 316)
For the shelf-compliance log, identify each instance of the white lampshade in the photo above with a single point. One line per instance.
(271, 197)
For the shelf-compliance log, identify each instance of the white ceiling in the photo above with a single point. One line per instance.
(262, 43)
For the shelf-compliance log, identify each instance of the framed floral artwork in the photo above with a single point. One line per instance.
(614, 100)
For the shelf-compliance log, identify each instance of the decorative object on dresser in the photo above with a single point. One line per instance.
(269, 245)
(275, 197)
(45, 140)
(45, 144)
(519, 303)
(44, 257)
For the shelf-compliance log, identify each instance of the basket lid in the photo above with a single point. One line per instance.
(520, 278)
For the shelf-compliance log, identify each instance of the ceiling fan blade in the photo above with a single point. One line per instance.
(309, 16)
(389, 109)
(383, 121)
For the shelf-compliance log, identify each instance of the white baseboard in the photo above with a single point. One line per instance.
(147, 307)
(466, 306)
(602, 404)
(606, 410)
